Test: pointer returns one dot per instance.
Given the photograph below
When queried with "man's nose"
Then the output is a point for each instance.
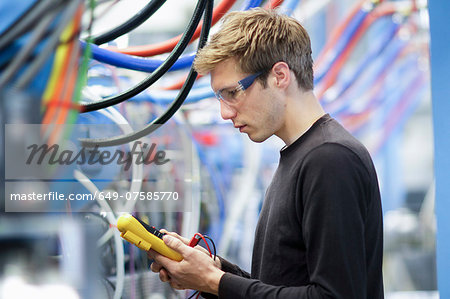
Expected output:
(226, 111)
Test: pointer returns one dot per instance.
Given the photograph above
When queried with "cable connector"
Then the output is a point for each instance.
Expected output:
(194, 241)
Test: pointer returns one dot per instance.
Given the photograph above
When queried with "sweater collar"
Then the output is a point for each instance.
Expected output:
(289, 148)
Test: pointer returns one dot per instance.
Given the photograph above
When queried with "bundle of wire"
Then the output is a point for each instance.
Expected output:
(334, 88)
(161, 69)
(362, 95)
(193, 242)
(52, 42)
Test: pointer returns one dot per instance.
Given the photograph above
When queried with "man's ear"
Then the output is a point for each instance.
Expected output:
(282, 74)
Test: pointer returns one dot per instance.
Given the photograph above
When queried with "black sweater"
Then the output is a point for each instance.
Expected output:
(320, 232)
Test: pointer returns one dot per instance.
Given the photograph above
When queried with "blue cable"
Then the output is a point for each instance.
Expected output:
(288, 6)
(387, 98)
(340, 45)
(383, 95)
(401, 97)
(373, 53)
(149, 65)
(167, 97)
(380, 65)
(407, 73)
(134, 62)
(11, 11)
(344, 82)
(145, 64)
(363, 83)
(389, 95)
(204, 91)
(249, 4)
(420, 94)
(217, 189)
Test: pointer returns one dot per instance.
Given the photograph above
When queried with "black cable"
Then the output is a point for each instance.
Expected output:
(214, 245)
(176, 104)
(129, 25)
(20, 18)
(33, 56)
(109, 283)
(215, 255)
(193, 294)
(50, 45)
(19, 60)
(158, 73)
(28, 22)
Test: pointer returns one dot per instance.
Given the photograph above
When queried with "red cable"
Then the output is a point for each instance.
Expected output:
(179, 84)
(414, 5)
(58, 98)
(399, 110)
(204, 240)
(273, 4)
(380, 80)
(330, 77)
(336, 34)
(194, 241)
(167, 46)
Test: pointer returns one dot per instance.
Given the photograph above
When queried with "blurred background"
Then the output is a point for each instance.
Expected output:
(57, 57)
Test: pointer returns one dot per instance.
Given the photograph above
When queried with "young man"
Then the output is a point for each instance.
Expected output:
(319, 234)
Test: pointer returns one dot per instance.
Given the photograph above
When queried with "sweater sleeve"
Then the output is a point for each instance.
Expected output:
(332, 191)
(232, 268)
(228, 268)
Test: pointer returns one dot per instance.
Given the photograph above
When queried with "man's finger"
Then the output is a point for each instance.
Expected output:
(174, 234)
(165, 262)
(164, 275)
(176, 244)
(176, 286)
(155, 267)
(151, 254)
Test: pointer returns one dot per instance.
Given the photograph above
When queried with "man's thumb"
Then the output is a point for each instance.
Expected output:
(175, 244)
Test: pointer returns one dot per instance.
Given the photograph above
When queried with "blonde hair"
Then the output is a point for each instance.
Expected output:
(258, 39)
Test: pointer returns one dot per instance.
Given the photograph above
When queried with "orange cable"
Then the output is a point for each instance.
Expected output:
(272, 4)
(330, 78)
(337, 32)
(167, 46)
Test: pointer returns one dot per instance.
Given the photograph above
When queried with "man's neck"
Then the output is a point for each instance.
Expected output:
(303, 110)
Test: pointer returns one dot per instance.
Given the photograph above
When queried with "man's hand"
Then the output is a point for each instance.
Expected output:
(196, 271)
(155, 267)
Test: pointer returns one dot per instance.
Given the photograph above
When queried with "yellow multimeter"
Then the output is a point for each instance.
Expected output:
(144, 236)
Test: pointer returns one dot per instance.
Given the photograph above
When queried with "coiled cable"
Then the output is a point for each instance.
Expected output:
(167, 46)
(159, 72)
(176, 103)
(131, 24)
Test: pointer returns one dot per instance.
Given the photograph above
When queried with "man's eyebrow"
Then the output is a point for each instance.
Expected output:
(229, 87)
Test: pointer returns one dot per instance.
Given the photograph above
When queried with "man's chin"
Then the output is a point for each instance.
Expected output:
(257, 139)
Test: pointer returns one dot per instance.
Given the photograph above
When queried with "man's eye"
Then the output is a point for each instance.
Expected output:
(230, 93)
